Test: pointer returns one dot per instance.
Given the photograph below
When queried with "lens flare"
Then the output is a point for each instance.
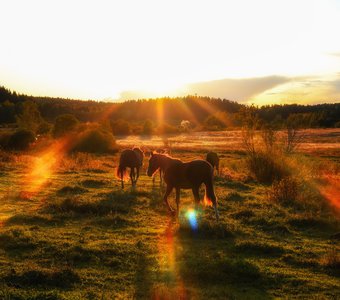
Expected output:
(192, 218)
(207, 201)
(45, 164)
(331, 192)
(168, 248)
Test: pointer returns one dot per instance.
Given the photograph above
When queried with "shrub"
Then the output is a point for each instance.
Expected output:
(284, 191)
(44, 128)
(264, 157)
(148, 128)
(214, 123)
(265, 167)
(20, 140)
(95, 141)
(167, 129)
(29, 117)
(64, 124)
(120, 127)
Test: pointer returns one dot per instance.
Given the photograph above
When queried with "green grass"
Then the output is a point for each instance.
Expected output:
(82, 237)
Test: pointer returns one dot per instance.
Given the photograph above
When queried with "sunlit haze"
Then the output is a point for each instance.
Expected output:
(261, 51)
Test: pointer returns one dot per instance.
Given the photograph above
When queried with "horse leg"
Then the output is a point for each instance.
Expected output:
(131, 175)
(210, 194)
(195, 191)
(217, 215)
(178, 195)
(134, 177)
(137, 176)
(122, 181)
(165, 197)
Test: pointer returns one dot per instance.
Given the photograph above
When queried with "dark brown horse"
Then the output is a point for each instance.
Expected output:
(180, 175)
(132, 159)
(161, 170)
(214, 160)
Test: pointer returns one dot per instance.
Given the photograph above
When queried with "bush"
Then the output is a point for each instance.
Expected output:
(167, 129)
(214, 123)
(284, 191)
(44, 128)
(120, 127)
(95, 141)
(148, 128)
(20, 140)
(64, 124)
(265, 167)
(264, 157)
(29, 117)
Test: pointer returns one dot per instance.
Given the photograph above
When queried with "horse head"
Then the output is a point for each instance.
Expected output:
(139, 153)
(153, 164)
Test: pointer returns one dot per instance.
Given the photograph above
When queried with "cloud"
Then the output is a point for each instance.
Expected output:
(335, 85)
(303, 90)
(337, 54)
(258, 90)
(236, 89)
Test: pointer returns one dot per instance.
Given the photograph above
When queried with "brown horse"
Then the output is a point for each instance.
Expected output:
(190, 175)
(132, 159)
(161, 170)
(214, 160)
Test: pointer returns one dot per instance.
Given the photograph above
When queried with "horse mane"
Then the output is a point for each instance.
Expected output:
(137, 149)
(167, 155)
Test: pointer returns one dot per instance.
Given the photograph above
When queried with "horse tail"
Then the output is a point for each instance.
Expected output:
(121, 171)
(210, 197)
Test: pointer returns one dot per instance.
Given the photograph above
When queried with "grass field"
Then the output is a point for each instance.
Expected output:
(71, 233)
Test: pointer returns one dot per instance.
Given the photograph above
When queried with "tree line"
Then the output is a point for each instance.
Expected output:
(160, 115)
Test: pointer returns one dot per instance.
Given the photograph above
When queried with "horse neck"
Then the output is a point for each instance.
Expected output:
(166, 161)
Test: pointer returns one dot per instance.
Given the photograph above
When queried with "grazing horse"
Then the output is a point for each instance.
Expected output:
(190, 175)
(133, 159)
(161, 170)
(214, 160)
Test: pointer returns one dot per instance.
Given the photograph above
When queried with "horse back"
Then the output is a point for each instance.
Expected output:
(130, 159)
(188, 175)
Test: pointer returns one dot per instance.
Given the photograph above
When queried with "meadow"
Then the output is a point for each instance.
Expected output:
(68, 230)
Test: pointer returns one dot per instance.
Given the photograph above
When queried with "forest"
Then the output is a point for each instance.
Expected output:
(166, 114)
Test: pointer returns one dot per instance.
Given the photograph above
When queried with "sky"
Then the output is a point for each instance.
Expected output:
(251, 51)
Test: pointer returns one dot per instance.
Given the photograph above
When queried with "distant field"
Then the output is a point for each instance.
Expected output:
(71, 233)
(313, 140)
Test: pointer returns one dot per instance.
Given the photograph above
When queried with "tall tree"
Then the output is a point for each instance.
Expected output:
(30, 117)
